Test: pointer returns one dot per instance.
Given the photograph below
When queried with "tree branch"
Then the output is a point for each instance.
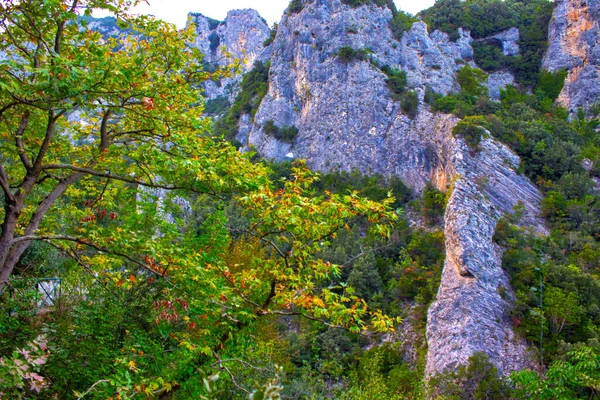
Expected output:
(92, 388)
(6, 107)
(224, 368)
(47, 139)
(103, 131)
(5, 185)
(272, 294)
(19, 141)
(84, 242)
(117, 177)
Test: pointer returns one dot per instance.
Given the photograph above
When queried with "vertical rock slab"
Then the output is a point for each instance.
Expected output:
(241, 36)
(469, 314)
(574, 45)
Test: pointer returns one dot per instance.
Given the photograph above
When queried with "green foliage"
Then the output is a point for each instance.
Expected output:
(396, 81)
(485, 18)
(575, 377)
(20, 372)
(472, 81)
(471, 130)
(400, 23)
(272, 35)
(431, 98)
(217, 106)
(552, 83)
(479, 379)
(295, 7)
(253, 89)
(410, 103)
(489, 56)
(347, 54)
(285, 133)
(433, 205)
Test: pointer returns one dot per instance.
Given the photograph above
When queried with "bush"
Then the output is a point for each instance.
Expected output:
(434, 204)
(551, 84)
(489, 57)
(472, 81)
(400, 23)
(286, 133)
(477, 380)
(410, 103)
(431, 97)
(272, 35)
(216, 106)
(396, 81)
(295, 7)
(347, 54)
(254, 87)
(471, 130)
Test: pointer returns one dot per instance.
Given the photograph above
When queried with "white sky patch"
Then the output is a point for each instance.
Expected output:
(175, 11)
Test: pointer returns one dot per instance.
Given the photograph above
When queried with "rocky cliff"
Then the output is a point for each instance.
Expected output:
(574, 45)
(347, 119)
(240, 36)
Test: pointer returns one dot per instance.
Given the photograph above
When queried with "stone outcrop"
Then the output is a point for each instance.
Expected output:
(343, 111)
(508, 39)
(240, 36)
(348, 120)
(469, 314)
(574, 45)
(497, 81)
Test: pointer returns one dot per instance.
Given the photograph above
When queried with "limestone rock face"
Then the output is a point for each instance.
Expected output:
(470, 312)
(509, 40)
(574, 45)
(497, 81)
(241, 34)
(348, 120)
(344, 111)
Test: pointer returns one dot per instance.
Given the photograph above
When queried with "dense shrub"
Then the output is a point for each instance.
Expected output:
(400, 23)
(295, 7)
(486, 18)
(253, 89)
(396, 81)
(431, 97)
(472, 81)
(217, 106)
(489, 56)
(551, 84)
(347, 54)
(285, 133)
(433, 205)
(471, 130)
(410, 103)
(272, 35)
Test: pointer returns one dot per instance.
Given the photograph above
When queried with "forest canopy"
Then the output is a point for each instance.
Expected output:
(103, 144)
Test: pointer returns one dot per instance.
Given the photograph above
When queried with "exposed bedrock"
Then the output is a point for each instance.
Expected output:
(347, 120)
(574, 45)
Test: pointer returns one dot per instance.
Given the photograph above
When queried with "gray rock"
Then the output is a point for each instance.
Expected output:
(497, 81)
(574, 45)
(469, 314)
(509, 40)
(347, 120)
(240, 36)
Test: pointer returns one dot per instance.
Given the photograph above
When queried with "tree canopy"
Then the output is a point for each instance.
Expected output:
(103, 139)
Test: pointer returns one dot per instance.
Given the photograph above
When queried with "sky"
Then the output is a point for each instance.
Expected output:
(175, 11)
